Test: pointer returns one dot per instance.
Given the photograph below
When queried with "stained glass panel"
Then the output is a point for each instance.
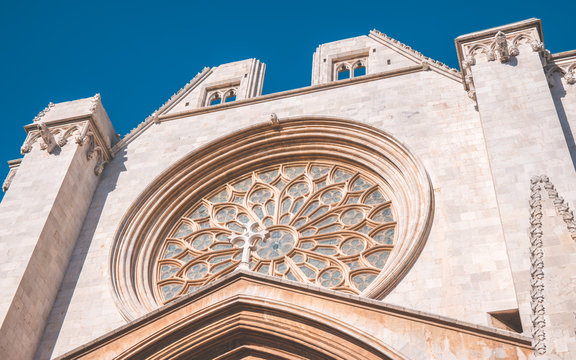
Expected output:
(185, 229)
(172, 250)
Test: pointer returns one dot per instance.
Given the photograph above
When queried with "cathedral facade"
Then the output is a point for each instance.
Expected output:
(396, 208)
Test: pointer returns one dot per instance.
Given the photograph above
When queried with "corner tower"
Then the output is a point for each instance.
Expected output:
(66, 149)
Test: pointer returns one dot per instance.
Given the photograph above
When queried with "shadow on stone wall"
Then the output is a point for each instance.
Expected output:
(558, 92)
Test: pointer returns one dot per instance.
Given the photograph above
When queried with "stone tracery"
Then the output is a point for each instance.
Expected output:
(329, 224)
(150, 227)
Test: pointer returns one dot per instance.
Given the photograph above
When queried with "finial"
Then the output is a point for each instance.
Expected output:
(249, 238)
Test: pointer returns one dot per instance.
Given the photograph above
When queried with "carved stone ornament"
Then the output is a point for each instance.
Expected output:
(95, 151)
(500, 49)
(94, 103)
(57, 136)
(14, 164)
(565, 68)
(537, 268)
(537, 184)
(503, 46)
(8, 180)
(274, 120)
(43, 112)
(247, 241)
(48, 138)
(468, 78)
(48, 141)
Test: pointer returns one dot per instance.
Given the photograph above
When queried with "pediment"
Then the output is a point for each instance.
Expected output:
(376, 52)
(287, 320)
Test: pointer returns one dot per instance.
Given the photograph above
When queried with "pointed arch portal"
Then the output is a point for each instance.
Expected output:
(247, 315)
(245, 328)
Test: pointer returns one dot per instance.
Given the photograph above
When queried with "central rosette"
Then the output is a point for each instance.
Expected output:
(279, 244)
(327, 224)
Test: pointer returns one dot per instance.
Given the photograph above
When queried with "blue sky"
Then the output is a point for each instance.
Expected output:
(137, 54)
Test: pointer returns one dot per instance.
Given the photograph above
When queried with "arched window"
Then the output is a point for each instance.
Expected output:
(230, 96)
(215, 99)
(343, 72)
(359, 69)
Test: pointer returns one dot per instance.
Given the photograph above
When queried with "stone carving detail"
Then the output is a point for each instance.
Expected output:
(537, 45)
(274, 120)
(247, 242)
(537, 184)
(65, 133)
(570, 78)
(14, 164)
(95, 101)
(501, 50)
(43, 112)
(8, 180)
(82, 135)
(566, 68)
(95, 151)
(537, 268)
(27, 146)
(48, 138)
(48, 142)
(503, 46)
(562, 207)
(468, 78)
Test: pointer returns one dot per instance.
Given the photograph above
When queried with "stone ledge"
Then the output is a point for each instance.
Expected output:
(399, 311)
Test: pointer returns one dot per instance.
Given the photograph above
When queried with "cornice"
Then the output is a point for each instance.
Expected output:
(564, 64)
(563, 55)
(489, 33)
(13, 165)
(415, 55)
(501, 43)
(83, 128)
(296, 92)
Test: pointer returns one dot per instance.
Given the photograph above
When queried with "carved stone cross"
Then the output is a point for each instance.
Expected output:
(250, 236)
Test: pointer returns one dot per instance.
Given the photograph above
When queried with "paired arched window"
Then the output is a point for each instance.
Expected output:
(221, 96)
(350, 69)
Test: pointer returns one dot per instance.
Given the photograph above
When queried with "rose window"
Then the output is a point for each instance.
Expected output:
(328, 224)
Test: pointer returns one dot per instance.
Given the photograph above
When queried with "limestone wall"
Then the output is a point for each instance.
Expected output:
(429, 112)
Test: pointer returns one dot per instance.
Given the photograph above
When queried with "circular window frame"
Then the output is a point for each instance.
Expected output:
(152, 215)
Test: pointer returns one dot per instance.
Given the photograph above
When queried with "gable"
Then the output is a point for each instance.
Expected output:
(286, 320)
